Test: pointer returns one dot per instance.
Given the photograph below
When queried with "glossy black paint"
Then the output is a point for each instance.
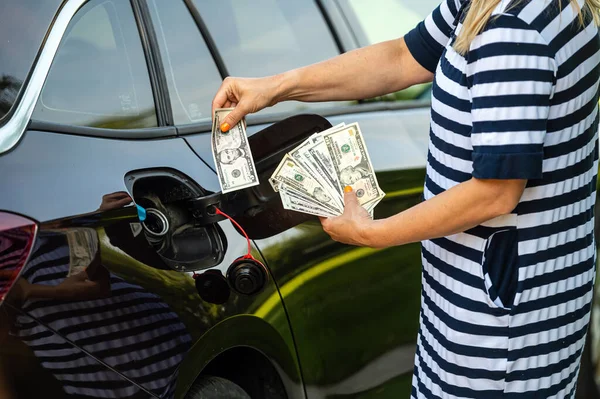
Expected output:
(353, 311)
(67, 181)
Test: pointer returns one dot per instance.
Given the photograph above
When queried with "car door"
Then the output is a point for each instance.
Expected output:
(353, 311)
(115, 300)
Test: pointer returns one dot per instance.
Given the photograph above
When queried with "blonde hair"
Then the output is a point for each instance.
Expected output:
(480, 11)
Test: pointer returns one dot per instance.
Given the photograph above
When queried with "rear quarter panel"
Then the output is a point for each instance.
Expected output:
(354, 311)
(147, 323)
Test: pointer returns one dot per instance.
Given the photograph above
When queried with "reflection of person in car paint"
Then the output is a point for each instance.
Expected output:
(351, 174)
(229, 155)
(119, 306)
(321, 195)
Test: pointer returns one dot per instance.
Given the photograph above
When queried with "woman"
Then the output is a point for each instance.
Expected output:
(507, 225)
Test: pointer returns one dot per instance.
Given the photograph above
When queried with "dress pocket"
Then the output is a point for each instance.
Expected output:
(500, 267)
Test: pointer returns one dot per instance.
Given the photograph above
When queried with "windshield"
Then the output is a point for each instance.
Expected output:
(23, 25)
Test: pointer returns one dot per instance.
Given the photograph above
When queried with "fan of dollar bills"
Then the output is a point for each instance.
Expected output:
(312, 177)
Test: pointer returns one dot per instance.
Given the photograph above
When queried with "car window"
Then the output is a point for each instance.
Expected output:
(266, 37)
(386, 19)
(99, 77)
(375, 22)
(19, 45)
(192, 76)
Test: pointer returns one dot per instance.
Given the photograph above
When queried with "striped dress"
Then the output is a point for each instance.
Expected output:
(132, 331)
(505, 306)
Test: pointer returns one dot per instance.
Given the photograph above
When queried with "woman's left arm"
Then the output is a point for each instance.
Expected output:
(510, 78)
(458, 209)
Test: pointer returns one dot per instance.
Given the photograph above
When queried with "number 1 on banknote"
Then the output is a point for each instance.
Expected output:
(231, 153)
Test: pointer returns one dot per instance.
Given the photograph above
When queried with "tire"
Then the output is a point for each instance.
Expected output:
(209, 387)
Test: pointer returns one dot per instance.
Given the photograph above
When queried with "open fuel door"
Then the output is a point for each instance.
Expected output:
(259, 209)
(181, 222)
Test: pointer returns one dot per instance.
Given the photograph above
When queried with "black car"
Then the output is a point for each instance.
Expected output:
(118, 279)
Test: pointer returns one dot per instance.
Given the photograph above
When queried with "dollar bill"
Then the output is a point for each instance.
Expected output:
(371, 205)
(292, 174)
(311, 178)
(296, 203)
(83, 248)
(275, 184)
(302, 155)
(306, 200)
(352, 164)
(319, 155)
(231, 153)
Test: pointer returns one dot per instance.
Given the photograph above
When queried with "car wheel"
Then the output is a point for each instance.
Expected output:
(209, 387)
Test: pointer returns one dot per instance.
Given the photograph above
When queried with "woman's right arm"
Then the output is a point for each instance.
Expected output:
(363, 73)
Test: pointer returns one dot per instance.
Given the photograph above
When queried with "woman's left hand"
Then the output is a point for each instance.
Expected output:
(350, 227)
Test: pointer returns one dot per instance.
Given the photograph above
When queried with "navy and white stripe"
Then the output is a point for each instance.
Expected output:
(133, 331)
(505, 306)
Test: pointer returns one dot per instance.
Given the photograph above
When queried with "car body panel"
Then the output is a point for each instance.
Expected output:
(354, 311)
(63, 179)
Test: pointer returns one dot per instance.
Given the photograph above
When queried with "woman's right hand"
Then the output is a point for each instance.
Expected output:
(246, 95)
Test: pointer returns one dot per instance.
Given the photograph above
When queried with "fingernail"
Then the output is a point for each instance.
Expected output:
(347, 189)
(225, 127)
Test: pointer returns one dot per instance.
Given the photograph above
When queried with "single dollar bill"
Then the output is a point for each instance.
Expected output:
(231, 152)
(351, 162)
(293, 175)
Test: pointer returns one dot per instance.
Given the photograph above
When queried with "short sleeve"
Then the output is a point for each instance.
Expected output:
(511, 75)
(426, 42)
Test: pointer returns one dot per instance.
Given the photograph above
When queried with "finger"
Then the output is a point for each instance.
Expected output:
(234, 117)
(220, 98)
(350, 198)
(91, 284)
(116, 195)
(228, 104)
(324, 222)
(121, 196)
(81, 276)
(122, 202)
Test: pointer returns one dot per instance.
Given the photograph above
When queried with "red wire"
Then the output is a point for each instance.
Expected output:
(249, 254)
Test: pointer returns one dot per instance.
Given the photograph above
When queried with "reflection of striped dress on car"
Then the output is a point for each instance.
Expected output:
(505, 306)
(133, 331)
